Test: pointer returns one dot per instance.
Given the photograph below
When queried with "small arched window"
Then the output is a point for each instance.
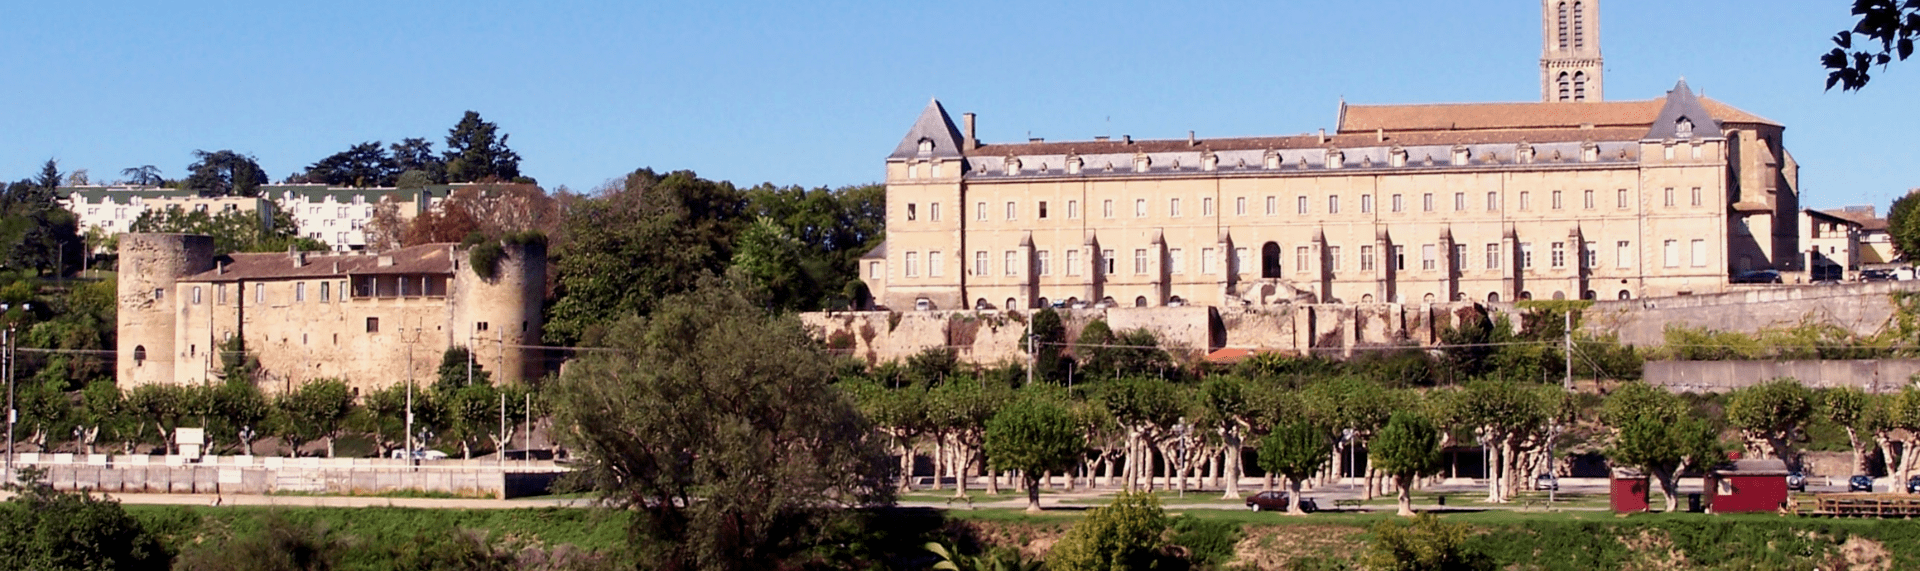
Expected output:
(1683, 128)
(980, 303)
(1493, 297)
(1579, 26)
(1566, 87)
(926, 145)
(1011, 303)
(1580, 86)
(1140, 301)
(1562, 36)
(139, 355)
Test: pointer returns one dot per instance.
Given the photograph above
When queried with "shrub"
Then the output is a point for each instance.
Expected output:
(1126, 534)
(1425, 544)
(485, 258)
(46, 530)
(1209, 542)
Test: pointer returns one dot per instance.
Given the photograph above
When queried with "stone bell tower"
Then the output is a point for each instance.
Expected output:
(1570, 64)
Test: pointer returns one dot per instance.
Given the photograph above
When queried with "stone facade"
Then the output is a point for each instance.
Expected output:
(372, 320)
(1570, 65)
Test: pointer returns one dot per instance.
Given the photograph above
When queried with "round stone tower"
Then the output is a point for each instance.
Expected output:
(502, 312)
(150, 265)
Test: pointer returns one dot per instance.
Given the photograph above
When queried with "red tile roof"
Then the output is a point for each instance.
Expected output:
(1510, 116)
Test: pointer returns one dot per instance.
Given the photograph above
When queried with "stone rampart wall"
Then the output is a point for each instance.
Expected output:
(262, 475)
(1860, 307)
(1878, 375)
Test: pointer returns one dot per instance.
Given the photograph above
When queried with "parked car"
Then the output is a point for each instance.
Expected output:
(1277, 501)
(1913, 485)
(1859, 483)
(1878, 276)
(1756, 277)
(1797, 482)
(420, 455)
(1546, 482)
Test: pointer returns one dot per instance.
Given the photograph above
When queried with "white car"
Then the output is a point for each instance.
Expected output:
(420, 455)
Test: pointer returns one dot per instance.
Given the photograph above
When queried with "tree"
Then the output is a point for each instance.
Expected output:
(717, 426)
(162, 405)
(1033, 436)
(1048, 343)
(459, 369)
(1892, 24)
(48, 530)
(1227, 409)
(1408, 448)
(477, 152)
(362, 165)
(774, 263)
(636, 243)
(1771, 415)
(317, 410)
(415, 156)
(143, 175)
(1903, 226)
(1656, 432)
(1845, 407)
(834, 227)
(232, 231)
(1125, 534)
(224, 173)
(1295, 450)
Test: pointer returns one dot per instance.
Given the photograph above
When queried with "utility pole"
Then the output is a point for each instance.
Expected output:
(1033, 359)
(1568, 382)
(12, 413)
(527, 439)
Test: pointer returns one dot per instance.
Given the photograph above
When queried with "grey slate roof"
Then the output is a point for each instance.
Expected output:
(933, 125)
(1682, 104)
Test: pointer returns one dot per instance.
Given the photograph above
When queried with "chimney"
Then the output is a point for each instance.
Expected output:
(1323, 136)
(223, 268)
(384, 261)
(1190, 140)
(1380, 134)
(299, 259)
(1036, 140)
(970, 143)
(336, 266)
(1128, 139)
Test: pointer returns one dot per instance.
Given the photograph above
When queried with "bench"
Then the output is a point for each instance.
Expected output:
(1347, 504)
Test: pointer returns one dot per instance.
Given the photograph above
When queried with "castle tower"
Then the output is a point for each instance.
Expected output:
(500, 312)
(150, 265)
(1570, 64)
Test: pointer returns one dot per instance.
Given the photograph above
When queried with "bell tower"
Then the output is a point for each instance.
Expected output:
(1570, 65)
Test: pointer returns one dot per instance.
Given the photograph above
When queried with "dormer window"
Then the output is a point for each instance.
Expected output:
(1273, 160)
(1335, 159)
(1589, 153)
(1073, 165)
(926, 146)
(1209, 162)
(1142, 163)
(1524, 154)
(1398, 158)
(1683, 128)
(1013, 166)
(1461, 156)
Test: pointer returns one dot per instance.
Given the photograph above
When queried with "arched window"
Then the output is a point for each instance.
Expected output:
(1559, 295)
(1580, 86)
(1579, 26)
(1563, 26)
(1175, 301)
(1270, 260)
(1044, 304)
(1590, 295)
(1526, 295)
(1140, 301)
(1427, 299)
(1566, 87)
(1011, 303)
(139, 355)
(1683, 128)
(1493, 297)
(1366, 298)
(1624, 294)
(981, 304)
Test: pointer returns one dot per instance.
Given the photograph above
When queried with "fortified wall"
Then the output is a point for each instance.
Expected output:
(1863, 308)
(992, 336)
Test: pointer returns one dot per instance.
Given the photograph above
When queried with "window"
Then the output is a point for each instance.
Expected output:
(1559, 250)
(934, 266)
(1302, 201)
(913, 211)
(1669, 196)
(1173, 207)
(1176, 261)
(1526, 255)
(913, 264)
(1592, 252)
(1623, 254)
(1140, 208)
(1043, 210)
(300, 292)
(1367, 262)
(1206, 207)
(1106, 208)
(196, 295)
(1106, 262)
(933, 212)
(1240, 206)
(480, 326)
(1459, 201)
(1333, 258)
(259, 293)
(1073, 210)
(873, 270)
(1620, 198)
(1206, 260)
(1696, 196)
(220, 294)
(1493, 201)
(373, 325)
(1398, 205)
(1671, 249)
(1426, 257)
(1493, 256)
(1012, 210)
(1366, 204)
(1300, 259)
(1073, 262)
(1140, 261)
(980, 263)
(1526, 200)
(1239, 261)
(1400, 258)
(1333, 204)
(1556, 200)
(1012, 265)
(1426, 202)
(1273, 205)
(1460, 256)
(979, 211)
(1699, 253)
(159, 294)
(326, 292)
(1589, 200)
(1044, 259)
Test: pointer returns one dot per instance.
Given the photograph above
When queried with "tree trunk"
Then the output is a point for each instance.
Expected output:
(1231, 466)
(1492, 453)
(1859, 459)
(993, 478)
(960, 464)
(940, 464)
(1406, 494)
(1293, 499)
(906, 467)
(1669, 486)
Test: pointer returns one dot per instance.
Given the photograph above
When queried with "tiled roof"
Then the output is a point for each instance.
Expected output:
(415, 260)
(1506, 116)
(1343, 141)
(934, 126)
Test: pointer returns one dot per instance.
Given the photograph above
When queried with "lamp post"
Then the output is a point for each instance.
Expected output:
(13, 413)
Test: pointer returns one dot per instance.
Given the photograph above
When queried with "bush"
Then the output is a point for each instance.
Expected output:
(1126, 534)
(46, 530)
(1209, 542)
(1424, 544)
(485, 258)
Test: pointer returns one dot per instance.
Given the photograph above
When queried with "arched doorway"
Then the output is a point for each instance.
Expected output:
(139, 355)
(981, 304)
(1044, 304)
(1270, 260)
(1011, 304)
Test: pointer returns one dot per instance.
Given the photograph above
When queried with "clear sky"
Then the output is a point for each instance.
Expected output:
(818, 93)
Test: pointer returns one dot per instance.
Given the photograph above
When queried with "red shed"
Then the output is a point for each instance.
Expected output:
(1747, 486)
(1628, 491)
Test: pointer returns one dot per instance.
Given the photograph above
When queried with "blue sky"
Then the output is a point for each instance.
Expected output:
(817, 93)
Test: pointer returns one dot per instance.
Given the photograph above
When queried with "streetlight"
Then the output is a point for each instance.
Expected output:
(13, 413)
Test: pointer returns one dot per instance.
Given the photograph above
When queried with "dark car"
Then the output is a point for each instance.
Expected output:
(1277, 502)
(1756, 277)
(1859, 483)
(1878, 276)
(1797, 482)
(1913, 485)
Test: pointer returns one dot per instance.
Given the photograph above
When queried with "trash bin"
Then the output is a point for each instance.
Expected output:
(1693, 504)
(1442, 499)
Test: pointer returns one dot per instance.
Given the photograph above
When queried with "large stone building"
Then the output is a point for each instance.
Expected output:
(1569, 198)
(368, 319)
(336, 216)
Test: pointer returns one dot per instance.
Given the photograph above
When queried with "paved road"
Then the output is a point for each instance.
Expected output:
(341, 501)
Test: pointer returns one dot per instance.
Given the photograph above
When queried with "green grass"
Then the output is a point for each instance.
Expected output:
(429, 494)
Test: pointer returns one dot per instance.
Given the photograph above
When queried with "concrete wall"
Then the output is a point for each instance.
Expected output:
(1860, 307)
(1878, 376)
(262, 475)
